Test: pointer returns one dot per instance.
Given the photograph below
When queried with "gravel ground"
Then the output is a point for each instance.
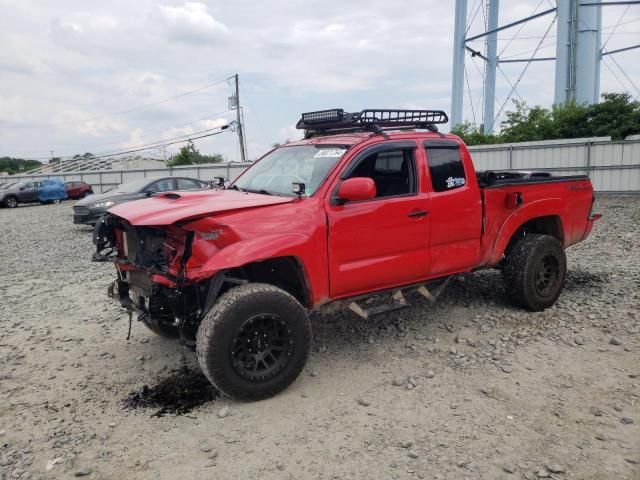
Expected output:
(469, 388)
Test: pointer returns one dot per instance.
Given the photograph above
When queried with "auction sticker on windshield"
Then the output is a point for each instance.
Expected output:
(329, 153)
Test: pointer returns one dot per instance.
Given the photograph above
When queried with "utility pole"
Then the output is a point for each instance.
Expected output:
(243, 155)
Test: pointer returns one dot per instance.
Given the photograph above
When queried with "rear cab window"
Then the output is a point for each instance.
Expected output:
(445, 165)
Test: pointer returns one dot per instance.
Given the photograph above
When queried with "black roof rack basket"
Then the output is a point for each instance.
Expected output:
(372, 120)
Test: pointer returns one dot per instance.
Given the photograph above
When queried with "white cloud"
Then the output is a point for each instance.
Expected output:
(191, 23)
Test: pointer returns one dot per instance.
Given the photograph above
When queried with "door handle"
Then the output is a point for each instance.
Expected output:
(417, 213)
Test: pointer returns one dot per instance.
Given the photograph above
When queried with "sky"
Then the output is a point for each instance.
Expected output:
(85, 76)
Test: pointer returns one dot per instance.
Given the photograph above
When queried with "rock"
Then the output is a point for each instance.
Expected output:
(579, 340)
(555, 468)
(601, 437)
(407, 444)
(507, 368)
(626, 420)
(224, 412)
(430, 374)
(412, 381)
(83, 472)
(453, 351)
(398, 381)
(509, 468)
(2, 433)
(313, 373)
(542, 473)
(213, 455)
(364, 402)
(53, 463)
(615, 341)
(279, 465)
(412, 454)
(410, 386)
(205, 447)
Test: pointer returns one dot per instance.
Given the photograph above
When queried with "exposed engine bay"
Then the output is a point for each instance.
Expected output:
(150, 277)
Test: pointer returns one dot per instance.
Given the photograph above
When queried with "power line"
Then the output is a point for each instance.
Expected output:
(161, 143)
(86, 149)
(164, 145)
(121, 112)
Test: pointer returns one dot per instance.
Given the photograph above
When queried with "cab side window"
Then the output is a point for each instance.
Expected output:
(393, 172)
(162, 185)
(445, 166)
(186, 184)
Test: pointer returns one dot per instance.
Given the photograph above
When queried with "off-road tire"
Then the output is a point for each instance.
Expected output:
(223, 324)
(11, 202)
(534, 271)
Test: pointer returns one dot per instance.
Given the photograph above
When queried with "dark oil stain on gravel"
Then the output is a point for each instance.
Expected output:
(179, 393)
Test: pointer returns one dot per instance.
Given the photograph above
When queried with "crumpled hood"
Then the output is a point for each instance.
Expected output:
(172, 207)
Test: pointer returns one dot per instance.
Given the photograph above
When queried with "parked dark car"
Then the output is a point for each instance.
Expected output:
(89, 210)
(77, 189)
(50, 190)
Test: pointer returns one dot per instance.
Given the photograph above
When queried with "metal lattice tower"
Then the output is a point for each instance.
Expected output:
(578, 54)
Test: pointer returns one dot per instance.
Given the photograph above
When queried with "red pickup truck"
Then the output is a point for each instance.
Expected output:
(369, 203)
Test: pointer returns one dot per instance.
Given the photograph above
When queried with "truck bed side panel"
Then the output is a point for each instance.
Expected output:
(568, 201)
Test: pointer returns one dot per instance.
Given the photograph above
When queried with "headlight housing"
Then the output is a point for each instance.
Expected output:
(106, 204)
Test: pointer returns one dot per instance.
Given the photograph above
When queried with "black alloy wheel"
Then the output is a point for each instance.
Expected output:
(262, 347)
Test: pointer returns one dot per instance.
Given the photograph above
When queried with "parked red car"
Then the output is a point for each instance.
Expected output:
(359, 207)
(77, 189)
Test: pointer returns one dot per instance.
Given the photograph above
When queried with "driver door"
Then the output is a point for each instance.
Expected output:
(383, 242)
(29, 192)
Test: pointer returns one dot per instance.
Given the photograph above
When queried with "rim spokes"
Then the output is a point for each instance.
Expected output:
(261, 347)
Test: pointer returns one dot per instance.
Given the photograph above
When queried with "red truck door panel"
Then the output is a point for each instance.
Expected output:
(456, 207)
(380, 242)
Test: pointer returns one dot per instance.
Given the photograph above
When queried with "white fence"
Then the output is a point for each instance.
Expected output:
(106, 179)
(613, 166)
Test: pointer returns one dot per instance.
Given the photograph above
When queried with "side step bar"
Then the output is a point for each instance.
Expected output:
(399, 302)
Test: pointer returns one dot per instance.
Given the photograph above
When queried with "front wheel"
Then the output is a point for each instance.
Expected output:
(534, 271)
(11, 202)
(254, 342)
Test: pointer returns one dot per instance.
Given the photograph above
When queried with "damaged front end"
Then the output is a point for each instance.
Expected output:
(151, 265)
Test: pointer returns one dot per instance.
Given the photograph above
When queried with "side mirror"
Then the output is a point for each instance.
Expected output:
(148, 193)
(218, 182)
(356, 189)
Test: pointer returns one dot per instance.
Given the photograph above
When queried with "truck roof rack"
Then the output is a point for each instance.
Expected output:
(336, 120)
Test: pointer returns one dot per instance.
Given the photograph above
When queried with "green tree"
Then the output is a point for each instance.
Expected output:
(616, 116)
(473, 135)
(189, 155)
(17, 165)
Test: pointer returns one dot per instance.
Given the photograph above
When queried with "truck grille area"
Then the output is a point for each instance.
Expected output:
(146, 248)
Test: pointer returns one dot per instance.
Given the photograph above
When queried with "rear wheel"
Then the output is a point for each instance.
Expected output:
(254, 342)
(534, 271)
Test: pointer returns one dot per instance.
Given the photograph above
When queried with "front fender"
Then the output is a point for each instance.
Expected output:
(538, 208)
(308, 252)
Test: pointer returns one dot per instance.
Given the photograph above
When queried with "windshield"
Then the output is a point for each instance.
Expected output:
(274, 173)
